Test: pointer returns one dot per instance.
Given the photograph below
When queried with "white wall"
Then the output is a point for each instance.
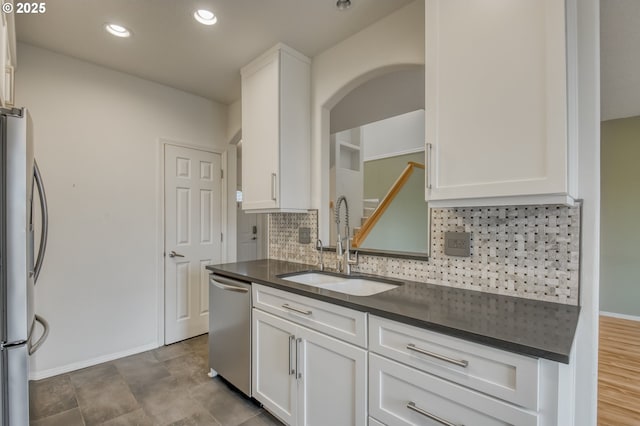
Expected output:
(392, 94)
(234, 121)
(402, 134)
(394, 42)
(97, 143)
(234, 133)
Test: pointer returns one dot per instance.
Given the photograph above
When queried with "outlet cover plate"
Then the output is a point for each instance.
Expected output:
(457, 244)
(304, 235)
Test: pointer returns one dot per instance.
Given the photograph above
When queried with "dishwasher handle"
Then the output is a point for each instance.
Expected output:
(229, 284)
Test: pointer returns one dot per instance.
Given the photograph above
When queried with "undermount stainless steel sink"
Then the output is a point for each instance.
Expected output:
(356, 286)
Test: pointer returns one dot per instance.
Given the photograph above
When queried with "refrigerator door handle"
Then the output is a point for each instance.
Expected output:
(9, 345)
(45, 221)
(45, 333)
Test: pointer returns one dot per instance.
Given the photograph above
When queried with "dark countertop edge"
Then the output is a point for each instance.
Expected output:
(454, 332)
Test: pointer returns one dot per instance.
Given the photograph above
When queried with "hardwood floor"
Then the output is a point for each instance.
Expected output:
(619, 372)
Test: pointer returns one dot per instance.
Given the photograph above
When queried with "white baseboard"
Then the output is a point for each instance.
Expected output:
(39, 375)
(621, 316)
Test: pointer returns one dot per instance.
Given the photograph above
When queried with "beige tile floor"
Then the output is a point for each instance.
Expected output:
(165, 386)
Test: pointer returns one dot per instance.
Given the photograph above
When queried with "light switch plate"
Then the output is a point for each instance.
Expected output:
(457, 244)
(304, 235)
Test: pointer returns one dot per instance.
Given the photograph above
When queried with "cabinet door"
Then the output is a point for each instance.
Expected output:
(332, 381)
(273, 365)
(496, 100)
(261, 135)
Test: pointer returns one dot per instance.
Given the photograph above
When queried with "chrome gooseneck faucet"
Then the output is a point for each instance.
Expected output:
(343, 255)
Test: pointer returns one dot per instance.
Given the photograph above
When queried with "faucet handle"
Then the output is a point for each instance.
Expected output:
(320, 261)
(355, 259)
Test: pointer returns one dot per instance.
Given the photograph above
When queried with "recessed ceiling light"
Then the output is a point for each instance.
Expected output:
(205, 16)
(343, 4)
(117, 30)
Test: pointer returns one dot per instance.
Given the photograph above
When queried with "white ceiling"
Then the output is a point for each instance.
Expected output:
(168, 46)
(620, 58)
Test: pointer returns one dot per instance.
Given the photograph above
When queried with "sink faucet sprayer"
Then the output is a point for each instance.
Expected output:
(343, 255)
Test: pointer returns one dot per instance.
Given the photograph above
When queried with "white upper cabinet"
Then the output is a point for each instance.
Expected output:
(276, 131)
(496, 103)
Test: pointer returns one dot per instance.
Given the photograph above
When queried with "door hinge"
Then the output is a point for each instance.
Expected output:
(221, 237)
(221, 174)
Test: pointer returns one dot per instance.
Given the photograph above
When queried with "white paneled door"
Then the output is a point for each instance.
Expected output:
(192, 187)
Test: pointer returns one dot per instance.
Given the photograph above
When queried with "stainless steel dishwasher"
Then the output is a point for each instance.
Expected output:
(230, 330)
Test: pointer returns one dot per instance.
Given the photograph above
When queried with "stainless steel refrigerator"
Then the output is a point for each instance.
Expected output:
(20, 181)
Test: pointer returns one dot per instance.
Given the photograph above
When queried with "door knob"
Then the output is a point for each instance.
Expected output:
(174, 254)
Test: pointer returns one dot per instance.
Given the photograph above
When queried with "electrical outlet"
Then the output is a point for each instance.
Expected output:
(304, 235)
(457, 244)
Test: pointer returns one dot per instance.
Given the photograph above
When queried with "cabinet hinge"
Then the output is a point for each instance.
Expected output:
(221, 174)
(221, 237)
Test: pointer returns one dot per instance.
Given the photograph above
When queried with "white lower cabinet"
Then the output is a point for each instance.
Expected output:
(401, 395)
(305, 377)
(505, 375)
(313, 365)
(274, 381)
(420, 377)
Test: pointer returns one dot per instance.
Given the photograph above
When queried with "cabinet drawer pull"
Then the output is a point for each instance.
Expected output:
(300, 311)
(412, 406)
(298, 358)
(292, 370)
(459, 363)
(274, 178)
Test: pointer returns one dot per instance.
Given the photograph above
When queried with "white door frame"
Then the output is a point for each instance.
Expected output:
(160, 221)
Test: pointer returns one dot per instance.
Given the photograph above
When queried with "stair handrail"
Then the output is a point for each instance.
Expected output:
(367, 226)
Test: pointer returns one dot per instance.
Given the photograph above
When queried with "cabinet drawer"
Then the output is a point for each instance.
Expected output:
(504, 375)
(337, 321)
(374, 422)
(401, 395)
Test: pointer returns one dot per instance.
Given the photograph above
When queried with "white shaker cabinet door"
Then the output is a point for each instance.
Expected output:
(273, 365)
(305, 377)
(261, 135)
(332, 381)
(496, 103)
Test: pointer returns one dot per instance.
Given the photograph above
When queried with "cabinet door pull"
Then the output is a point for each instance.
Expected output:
(300, 311)
(427, 172)
(412, 406)
(292, 339)
(273, 186)
(298, 357)
(459, 363)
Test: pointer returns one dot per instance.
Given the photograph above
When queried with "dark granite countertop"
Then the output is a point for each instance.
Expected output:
(524, 326)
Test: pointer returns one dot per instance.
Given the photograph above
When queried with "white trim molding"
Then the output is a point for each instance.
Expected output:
(620, 316)
(394, 154)
(39, 375)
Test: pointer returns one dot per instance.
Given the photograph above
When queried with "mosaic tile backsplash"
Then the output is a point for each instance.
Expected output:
(524, 251)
